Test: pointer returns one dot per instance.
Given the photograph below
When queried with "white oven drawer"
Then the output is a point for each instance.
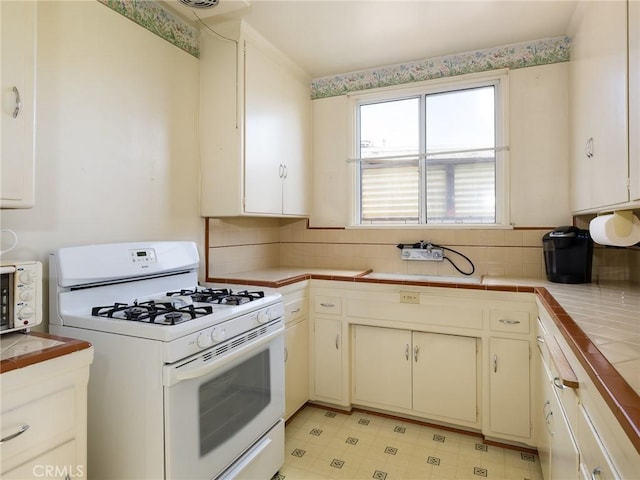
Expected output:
(263, 460)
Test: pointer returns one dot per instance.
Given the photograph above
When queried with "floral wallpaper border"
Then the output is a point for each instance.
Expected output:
(156, 19)
(519, 55)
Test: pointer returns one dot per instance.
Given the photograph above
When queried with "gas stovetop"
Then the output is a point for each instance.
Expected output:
(177, 306)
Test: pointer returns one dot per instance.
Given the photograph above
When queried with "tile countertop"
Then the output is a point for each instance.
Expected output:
(19, 350)
(601, 322)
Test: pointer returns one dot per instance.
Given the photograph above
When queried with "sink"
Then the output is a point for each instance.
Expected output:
(424, 278)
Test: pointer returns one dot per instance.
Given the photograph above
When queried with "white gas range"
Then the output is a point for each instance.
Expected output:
(187, 382)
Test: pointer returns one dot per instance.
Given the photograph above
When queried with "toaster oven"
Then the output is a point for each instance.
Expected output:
(20, 295)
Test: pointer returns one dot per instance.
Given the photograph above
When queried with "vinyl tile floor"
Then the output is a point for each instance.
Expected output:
(323, 444)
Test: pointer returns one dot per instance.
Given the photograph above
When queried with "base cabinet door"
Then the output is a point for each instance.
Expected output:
(509, 391)
(444, 376)
(382, 366)
(328, 346)
(296, 366)
(426, 374)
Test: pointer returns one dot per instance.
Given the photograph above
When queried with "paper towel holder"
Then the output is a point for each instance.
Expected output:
(623, 222)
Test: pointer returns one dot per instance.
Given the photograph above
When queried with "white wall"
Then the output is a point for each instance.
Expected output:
(116, 126)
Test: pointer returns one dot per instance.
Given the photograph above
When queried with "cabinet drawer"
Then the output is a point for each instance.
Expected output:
(47, 422)
(59, 463)
(509, 321)
(328, 304)
(594, 459)
(295, 311)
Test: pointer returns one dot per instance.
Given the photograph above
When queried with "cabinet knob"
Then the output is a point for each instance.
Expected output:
(338, 342)
(415, 353)
(495, 363)
(406, 351)
(595, 474)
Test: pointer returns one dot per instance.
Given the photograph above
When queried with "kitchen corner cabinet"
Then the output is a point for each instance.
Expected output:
(17, 75)
(599, 103)
(255, 126)
(296, 352)
(424, 374)
(47, 402)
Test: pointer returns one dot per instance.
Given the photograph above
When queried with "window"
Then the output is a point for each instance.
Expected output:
(431, 156)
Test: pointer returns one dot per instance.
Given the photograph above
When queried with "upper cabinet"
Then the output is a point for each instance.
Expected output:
(634, 100)
(255, 126)
(600, 106)
(17, 119)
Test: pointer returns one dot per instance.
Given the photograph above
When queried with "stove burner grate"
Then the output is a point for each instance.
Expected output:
(222, 296)
(158, 313)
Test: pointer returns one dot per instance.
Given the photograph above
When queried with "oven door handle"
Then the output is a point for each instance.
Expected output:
(175, 375)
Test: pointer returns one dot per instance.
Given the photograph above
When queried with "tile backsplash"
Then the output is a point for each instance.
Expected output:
(243, 244)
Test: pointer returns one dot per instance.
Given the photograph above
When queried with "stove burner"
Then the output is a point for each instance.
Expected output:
(152, 312)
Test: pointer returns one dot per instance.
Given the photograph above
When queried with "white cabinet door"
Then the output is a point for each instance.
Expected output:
(255, 127)
(382, 367)
(509, 391)
(331, 172)
(557, 450)
(598, 87)
(296, 340)
(328, 364)
(445, 376)
(634, 99)
(17, 119)
(264, 145)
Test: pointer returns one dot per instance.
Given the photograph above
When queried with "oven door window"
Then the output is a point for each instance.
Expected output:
(231, 401)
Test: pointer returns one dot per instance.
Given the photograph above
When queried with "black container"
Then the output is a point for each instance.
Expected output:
(568, 255)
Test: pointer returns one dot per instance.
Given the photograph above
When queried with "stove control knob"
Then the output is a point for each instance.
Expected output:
(263, 316)
(203, 340)
(218, 334)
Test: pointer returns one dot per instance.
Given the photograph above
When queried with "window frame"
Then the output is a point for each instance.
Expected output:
(497, 78)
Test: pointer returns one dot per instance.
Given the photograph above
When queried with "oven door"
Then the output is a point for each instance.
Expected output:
(221, 402)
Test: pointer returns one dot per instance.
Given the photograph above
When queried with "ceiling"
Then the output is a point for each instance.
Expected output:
(329, 37)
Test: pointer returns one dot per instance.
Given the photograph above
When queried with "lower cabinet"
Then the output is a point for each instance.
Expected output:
(328, 360)
(594, 457)
(43, 418)
(557, 450)
(433, 375)
(296, 365)
(509, 390)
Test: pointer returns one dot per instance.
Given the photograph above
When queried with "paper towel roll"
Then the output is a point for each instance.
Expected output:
(615, 229)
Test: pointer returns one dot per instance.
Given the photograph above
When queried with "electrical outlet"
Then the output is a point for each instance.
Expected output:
(409, 297)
